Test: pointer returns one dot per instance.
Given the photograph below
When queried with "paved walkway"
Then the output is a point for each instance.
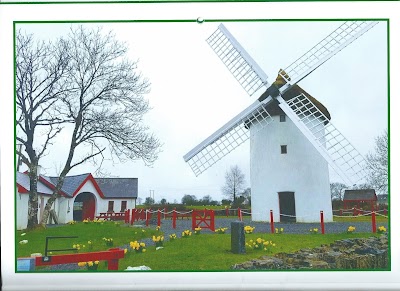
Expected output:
(263, 227)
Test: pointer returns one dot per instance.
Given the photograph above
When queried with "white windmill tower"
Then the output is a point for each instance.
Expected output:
(292, 140)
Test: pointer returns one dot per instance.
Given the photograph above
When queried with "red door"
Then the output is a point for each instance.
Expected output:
(88, 207)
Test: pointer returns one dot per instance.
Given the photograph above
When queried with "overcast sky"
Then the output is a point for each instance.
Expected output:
(193, 94)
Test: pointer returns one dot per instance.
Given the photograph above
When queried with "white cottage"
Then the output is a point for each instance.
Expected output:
(82, 197)
(288, 175)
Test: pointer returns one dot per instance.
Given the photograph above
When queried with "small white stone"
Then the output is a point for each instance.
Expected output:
(139, 268)
(159, 248)
(36, 255)
(22, 242)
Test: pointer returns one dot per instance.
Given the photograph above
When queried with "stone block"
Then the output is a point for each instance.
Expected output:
(237, 237)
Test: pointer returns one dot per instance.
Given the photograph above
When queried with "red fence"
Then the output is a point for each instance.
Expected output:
(111, 256)
(204, 219)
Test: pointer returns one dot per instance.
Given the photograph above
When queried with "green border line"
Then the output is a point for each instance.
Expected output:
(387, 20)
(176, 1)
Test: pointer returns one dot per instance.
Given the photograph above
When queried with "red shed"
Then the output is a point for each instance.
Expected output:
(360, 196)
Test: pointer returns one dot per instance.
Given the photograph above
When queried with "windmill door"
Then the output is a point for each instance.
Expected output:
(287, 207)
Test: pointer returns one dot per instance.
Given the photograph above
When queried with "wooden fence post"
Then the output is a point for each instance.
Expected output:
(373, 220)
(194, 213)
(212, 222)
(147, 218)
(174, 218)
(159, 217)
(133, 215)
(271, 217)
(322, 222)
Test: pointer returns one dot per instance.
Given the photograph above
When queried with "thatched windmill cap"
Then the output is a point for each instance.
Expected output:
(294, 91)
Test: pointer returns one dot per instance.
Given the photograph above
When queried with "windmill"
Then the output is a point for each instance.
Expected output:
(292, 140)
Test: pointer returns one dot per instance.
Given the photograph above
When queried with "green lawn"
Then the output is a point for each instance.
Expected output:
(360, 218)
(211, 252)
(204, 252)
(95, 232)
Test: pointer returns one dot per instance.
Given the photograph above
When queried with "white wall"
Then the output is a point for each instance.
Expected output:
(302, 171)
(22, 210)
(64, 206)
(102, 204)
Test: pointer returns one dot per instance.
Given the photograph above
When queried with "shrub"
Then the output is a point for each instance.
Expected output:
(221, 230)
(260, 244)
(248, 229)
(91, 266)
(351, 229)
(77, 247)
(158, 240)
(138, 247)
(381, 229)
(109, 241)
(186, 233)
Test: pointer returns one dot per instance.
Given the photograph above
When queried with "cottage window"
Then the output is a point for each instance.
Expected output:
(283, 149)
(282, 118)
(110, 206)
(123, 206)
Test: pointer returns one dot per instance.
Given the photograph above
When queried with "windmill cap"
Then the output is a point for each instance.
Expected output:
(294, 91)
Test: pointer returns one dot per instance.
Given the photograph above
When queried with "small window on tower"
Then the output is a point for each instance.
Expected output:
(282, 118)
(283, 149)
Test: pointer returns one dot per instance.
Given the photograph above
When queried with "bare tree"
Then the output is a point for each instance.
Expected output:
(247, 196)
(104, 104)
(337, 190)
(234, 183)
(41, 69)
(379, 166)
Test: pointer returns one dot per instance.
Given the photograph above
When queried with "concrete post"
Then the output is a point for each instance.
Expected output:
(237, 237)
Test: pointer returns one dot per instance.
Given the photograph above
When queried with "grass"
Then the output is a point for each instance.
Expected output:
(211, 252)
(95, 232)
(204, 252)
(361, 218)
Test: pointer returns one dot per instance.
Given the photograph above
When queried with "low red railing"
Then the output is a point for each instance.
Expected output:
(112, 256)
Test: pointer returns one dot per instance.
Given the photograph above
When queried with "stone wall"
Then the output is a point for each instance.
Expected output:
(347, 254)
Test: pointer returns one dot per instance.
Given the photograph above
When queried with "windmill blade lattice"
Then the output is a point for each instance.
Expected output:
(340, 38)
(246, 71)
(228, 137)
(342, 156)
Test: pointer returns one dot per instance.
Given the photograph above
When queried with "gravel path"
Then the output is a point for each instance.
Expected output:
(294, 228)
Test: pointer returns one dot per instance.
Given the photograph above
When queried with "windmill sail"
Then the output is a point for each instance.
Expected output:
(347, 162)
(242, 66)
(228, 137)
(340, 154)
(340, 38)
